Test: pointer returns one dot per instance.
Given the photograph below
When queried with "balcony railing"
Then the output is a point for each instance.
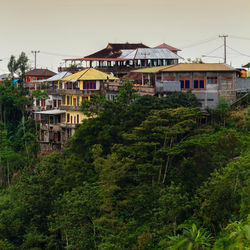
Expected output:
(77, 91)
(70, 108)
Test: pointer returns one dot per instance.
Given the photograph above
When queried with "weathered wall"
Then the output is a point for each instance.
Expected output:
(242, 84)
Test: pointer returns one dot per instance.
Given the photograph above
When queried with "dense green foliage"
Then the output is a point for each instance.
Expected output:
(19, 65)
(145, 173)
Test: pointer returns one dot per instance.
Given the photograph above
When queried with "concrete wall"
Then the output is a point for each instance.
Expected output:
(242, 85)
(208, 96)
(167, 86)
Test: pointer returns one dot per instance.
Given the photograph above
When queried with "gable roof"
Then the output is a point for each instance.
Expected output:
(40, 72)
(89, 74)
(120, 46)
(113, 50)
(166, 46)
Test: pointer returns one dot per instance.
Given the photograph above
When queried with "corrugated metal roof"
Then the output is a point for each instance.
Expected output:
(128, 53)
(51, 112)
(133, 54)
(188, 67)
(150, 53)
(199, 67)
(113, 50)
(152, 70)
(89, 74)
(57, 77)
(40, 72)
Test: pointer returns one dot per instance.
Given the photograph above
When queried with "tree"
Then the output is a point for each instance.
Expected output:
(127, 93)
(94, 106)
(39, 95)
(20, 65)
(222, 109)
(12, 65)
(74, 217)
(196, 60)
(173, 203)
(23, 66)
(222, 196)
(191, 239)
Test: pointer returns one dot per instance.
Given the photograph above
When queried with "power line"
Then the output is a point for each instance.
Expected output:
(56, 54)
(198, 43)
(238, 52)
(241, 38)
(212, 51)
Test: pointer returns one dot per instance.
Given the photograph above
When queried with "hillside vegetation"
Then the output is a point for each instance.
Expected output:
(140, 173)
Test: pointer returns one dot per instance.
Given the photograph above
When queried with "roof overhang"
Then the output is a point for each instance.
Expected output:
(51, 112)
(99, 59)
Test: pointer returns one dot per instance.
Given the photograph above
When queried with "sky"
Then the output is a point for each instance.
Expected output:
(75, 28)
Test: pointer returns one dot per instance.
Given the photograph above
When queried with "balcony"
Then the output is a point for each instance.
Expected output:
(70, 108)
(145, 90)
(77, 91)
(67, 125)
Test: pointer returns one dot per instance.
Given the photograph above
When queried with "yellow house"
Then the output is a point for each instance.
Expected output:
(77, 87)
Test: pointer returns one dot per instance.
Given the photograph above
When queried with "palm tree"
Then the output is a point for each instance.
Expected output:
(191, 238)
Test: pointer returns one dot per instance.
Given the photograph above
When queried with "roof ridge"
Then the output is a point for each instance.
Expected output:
(84, 73)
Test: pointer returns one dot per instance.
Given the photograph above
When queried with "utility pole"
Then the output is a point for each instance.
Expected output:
(225, 47)
(35, 52)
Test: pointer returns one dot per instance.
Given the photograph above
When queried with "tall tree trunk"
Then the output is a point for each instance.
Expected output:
(160, 170)
(174, 226)
(167, 162)
(8, 173)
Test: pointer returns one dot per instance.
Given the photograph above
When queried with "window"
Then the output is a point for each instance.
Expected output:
(227, 83)
(43, 102)
(199, 84)
(78, 100)
(196, 84)
(169, 78)
(68, 118)
(71, 100)
(158, 77)
(77, 119)
(212, 80)
(185, 83)
(89, 85)
(67, 100)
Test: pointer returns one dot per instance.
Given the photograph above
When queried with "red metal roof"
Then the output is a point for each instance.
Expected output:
(40, 72)
(166, 46)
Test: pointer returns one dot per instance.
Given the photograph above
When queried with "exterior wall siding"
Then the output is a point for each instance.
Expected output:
(210, 94)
